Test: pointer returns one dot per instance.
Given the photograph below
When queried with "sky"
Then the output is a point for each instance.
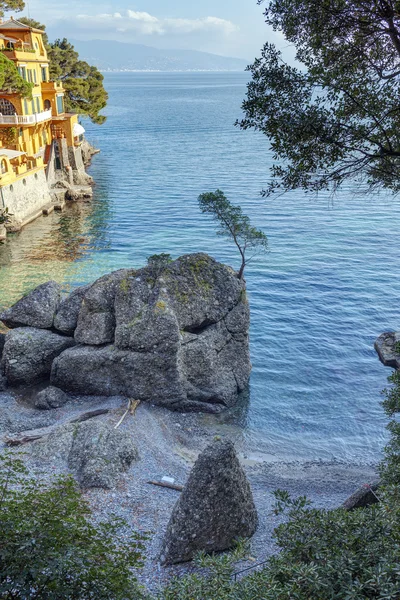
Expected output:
(226, 27)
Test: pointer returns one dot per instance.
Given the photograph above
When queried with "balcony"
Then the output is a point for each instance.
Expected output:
(25, 119)
(52, 86)
(18, 53)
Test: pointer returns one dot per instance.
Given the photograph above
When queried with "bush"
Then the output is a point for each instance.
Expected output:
(49, 548)
(325, 554)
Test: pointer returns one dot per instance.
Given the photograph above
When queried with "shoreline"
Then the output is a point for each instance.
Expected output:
(168, 444)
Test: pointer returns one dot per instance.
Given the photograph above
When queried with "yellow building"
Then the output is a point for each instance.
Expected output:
(38, 139)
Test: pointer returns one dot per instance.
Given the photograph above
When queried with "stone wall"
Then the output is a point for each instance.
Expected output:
(26, 197)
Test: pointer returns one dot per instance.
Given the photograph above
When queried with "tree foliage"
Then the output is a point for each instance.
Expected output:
(324, 555)
(6, 5)
(390, 467)
(50, 549)
(336, 116)
(83, 83)
(234, 225)
(11, 80)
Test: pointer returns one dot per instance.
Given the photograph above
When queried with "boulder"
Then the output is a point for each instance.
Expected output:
(36, 309)
(94, 451)
(96, 322)
(175, 336)
(386, 347)
(215, 509)
(66, 317)
(88, 151)
(106, 371)
(29, 353)
(364, 496)
(99, 453)
(51, 397)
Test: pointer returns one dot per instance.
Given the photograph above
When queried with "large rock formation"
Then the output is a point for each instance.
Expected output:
(171, 334)
(215, 509)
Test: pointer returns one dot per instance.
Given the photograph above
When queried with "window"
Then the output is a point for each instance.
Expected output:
(60, 104)
(22, 72)
(30, 76)
(34, 76)
(6, 108)
(44, 73)
(47, 105)
(26, 106)
(33, 107)
(4, 166)
(38, 105)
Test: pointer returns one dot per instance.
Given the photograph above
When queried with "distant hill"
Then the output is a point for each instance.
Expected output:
(118, 56)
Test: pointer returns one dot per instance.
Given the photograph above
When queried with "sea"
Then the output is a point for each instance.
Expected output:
(328, 286)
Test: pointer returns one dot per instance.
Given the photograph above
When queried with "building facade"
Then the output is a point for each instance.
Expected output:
(39, 141)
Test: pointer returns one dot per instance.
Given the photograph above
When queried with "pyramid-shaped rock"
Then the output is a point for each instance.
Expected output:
(215, 508)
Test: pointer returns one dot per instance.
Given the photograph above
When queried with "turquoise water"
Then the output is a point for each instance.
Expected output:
(329, 285)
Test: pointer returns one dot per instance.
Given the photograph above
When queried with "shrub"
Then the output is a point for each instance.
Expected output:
(50, 549)
(157, 263)
(325, 554)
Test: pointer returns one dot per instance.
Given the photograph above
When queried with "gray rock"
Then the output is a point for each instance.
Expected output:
(66, 318)
(87, 152)
(215, 509)
(36, 309)
(51, 397)
(100, 453)
(3, 383)
(174, 334)
(364, 496)
(82, 178)
(179, 335)
(107, 371)
(385, 346)
(2, 342)
(94, 451)
(96, 322)
(200, 290)
(62, 185)
(28, 354)
(55, 445)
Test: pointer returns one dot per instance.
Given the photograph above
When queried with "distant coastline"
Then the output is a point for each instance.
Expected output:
(172, 70)
(113, 56)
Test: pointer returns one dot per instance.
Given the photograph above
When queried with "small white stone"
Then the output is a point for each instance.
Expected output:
(166, 479)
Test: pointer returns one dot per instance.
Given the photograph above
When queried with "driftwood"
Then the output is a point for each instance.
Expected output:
(89, 415)
(172, 486)
(23, 440)
(132, 406)
(20, 441)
